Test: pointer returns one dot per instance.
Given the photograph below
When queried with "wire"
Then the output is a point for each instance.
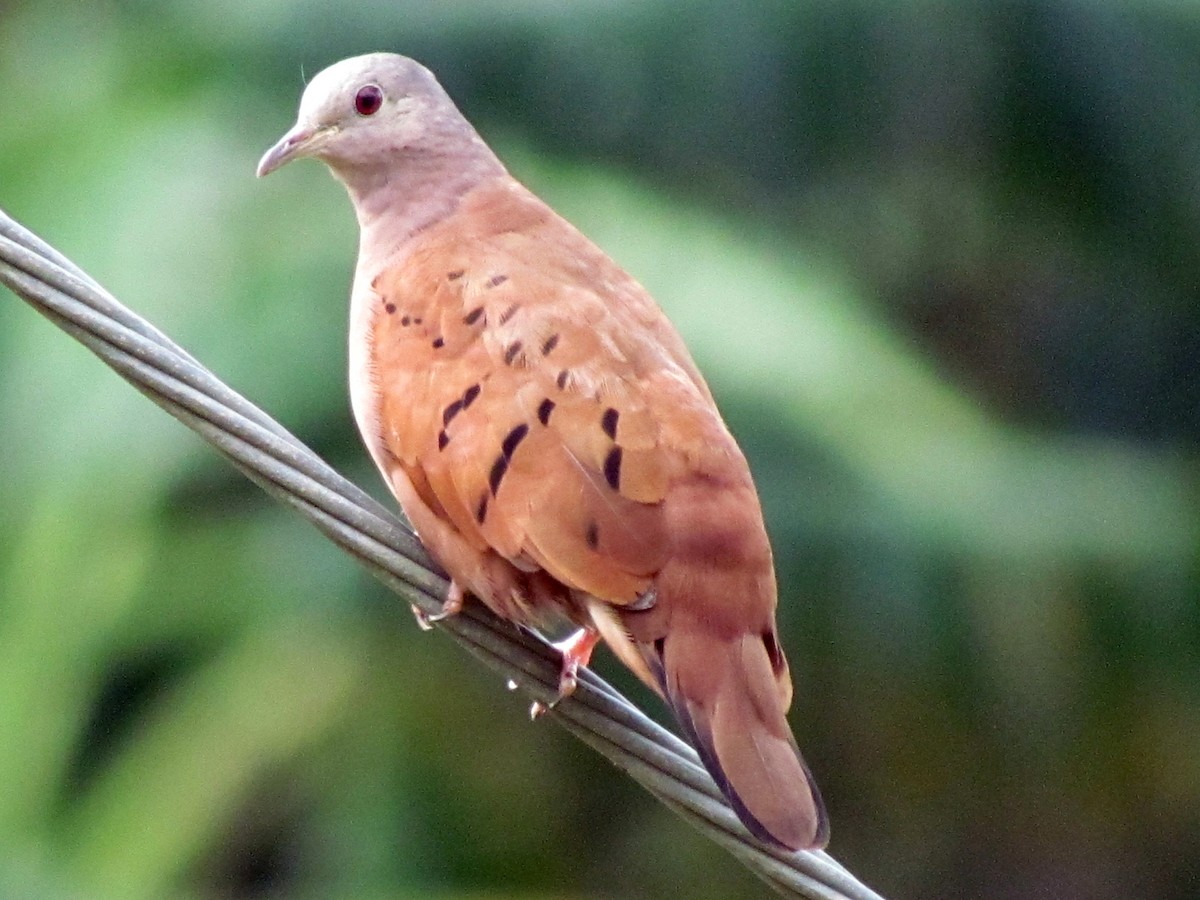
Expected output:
(288, 470)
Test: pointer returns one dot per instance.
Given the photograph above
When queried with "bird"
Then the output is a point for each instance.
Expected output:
(547, 434)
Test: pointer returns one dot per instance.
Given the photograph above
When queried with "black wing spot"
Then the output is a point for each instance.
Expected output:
(405, 320)
(549, 344)
(511, 353)
(561, 380)
(612, 468)
(473, 316)
(513, 440)
(507, 448)
(455, 275)
(443, 439)
(544, 409)
(469, 395)
(417, 320)
(509, 313)
(482, 509)
(451, 411)
(439, 343)
(390, 307)
(592, 535)
(609, 422)
(499, 467)
(496, 280)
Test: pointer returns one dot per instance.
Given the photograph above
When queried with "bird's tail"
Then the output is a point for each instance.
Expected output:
(726, 695)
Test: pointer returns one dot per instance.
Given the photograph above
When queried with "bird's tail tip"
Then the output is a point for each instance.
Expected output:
(725, 695)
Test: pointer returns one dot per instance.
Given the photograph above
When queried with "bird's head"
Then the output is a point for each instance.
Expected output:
(364, 111)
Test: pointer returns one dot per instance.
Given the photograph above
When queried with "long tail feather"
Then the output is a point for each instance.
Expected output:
(724, 694)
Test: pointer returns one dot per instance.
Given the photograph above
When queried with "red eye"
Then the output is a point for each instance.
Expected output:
(368, 100)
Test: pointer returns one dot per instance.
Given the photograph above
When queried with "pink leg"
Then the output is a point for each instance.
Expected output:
(576, 651)
(451, 606)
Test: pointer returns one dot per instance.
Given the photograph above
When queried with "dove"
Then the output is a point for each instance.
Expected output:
(547, 433)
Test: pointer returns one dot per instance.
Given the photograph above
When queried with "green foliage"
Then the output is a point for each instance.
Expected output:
(939, 267)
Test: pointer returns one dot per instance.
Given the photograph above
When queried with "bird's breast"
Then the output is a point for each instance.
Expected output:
(364, 386)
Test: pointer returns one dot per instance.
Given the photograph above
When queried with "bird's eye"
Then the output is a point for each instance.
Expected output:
(368, 100)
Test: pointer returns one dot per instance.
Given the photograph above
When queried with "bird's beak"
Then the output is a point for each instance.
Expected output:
(301, 140)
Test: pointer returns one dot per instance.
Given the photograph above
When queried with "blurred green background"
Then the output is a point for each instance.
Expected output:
(939, 264)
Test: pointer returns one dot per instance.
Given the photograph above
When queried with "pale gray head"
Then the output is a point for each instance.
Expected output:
(368, 113)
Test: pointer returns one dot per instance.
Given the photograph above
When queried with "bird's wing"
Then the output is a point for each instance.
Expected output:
(517, 369)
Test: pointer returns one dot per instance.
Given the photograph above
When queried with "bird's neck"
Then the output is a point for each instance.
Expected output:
(396, 202)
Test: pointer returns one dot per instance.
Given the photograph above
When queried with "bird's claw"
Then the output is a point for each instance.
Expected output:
(567, 682)
(576, 651)
(451, 606)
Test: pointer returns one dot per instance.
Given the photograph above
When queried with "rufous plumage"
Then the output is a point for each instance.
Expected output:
(546, 432)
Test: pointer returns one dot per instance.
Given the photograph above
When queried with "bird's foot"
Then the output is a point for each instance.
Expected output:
(451, 606)
(576, 651)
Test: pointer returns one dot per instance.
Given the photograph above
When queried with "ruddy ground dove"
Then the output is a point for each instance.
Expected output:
(547, 433)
